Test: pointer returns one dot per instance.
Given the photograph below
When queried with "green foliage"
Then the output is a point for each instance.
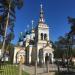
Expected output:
(4, 10)
(10, 49)
(58, 53)
(63, 47)
(71, 21)
(11, 52)
(0, 45)
(73, 52)
(8, 6)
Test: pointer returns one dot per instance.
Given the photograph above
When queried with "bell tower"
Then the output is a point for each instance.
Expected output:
(42, 32)
(42, 28)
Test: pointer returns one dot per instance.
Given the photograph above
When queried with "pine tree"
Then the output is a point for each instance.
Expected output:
(8, 7)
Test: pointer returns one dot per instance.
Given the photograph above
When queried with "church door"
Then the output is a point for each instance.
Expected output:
(50, 58)
(46, 58)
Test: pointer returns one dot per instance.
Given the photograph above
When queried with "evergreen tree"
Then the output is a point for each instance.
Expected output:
(4, 10)
(8, 7)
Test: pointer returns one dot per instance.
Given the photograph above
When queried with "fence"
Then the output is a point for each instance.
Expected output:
(9, 69)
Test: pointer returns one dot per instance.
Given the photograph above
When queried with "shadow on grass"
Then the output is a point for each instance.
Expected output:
(24, 73)
(1, 71)
(65, 73)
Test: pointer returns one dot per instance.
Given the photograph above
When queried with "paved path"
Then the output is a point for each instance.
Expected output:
(41, 71)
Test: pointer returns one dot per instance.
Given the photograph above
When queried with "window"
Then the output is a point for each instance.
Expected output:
(41, 36)
(45, 36)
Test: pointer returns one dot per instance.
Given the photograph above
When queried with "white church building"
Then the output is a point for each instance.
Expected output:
(36, 44)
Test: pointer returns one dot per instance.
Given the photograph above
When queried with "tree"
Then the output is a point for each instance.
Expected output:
(7, 18)
(71, 34)
(72, 22)
(65, 46)
(60, 47)
(66, 42)
(4, 10)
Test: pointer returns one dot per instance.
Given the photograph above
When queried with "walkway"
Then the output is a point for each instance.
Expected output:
(41, 71)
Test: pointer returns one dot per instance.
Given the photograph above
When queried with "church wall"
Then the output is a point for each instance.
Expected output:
(41, 34)
(27, 43)
(30, 52)
(32, 36)
(15, 58)
(16, 49)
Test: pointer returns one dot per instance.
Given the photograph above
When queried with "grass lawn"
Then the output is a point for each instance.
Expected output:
(11, 70)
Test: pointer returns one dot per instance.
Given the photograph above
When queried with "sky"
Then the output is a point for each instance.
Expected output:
(55, 13)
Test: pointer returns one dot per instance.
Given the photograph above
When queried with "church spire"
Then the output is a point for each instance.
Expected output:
(28, 29)
(32, 24)
(41, 20)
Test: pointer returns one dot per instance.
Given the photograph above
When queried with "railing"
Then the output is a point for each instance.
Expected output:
(9, 70)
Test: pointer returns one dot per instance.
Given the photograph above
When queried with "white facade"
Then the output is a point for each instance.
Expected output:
(42, 35)
(41, 45)
(18, 53)
(37, 43)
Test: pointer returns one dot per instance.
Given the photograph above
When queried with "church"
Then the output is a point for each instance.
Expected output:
(34, 44)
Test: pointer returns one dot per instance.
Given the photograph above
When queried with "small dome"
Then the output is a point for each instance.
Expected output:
(21, 43)
(24, 39)
(20, 40)
(27, 32)
(32, 30)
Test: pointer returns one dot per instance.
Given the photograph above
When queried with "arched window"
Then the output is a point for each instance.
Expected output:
(45, 36)
(41, 36)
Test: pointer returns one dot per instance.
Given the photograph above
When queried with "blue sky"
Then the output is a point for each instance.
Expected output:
(55, 12)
